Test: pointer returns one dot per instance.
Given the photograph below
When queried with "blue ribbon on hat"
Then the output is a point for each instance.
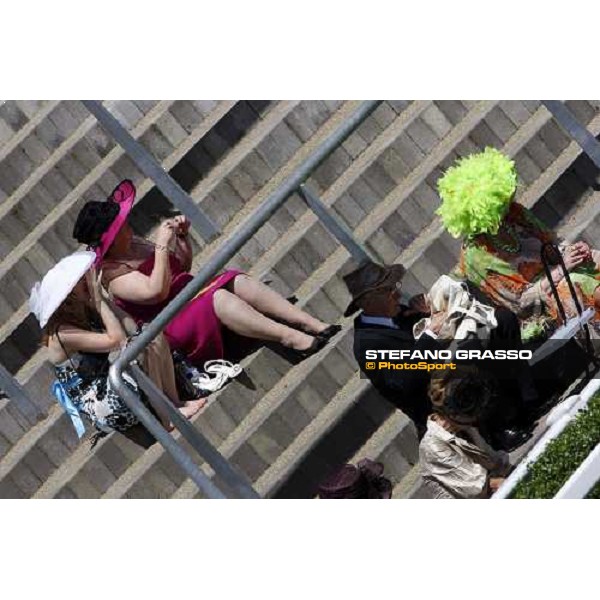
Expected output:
(65, 401)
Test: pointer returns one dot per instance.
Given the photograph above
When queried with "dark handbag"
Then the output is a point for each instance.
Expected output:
(185, 387)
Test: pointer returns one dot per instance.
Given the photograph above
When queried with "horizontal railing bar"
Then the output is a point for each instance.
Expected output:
(242, 234)
(585, 477)
(179, 455)
(218, 260)
(233, 478)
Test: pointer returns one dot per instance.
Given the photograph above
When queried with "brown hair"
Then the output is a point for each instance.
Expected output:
(462, 395)
(71, 312)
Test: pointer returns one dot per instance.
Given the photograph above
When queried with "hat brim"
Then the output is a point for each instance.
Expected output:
(124, 195)
(395, 273)
(47, 295)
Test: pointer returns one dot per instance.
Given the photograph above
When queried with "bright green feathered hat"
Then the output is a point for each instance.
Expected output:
(475, 193)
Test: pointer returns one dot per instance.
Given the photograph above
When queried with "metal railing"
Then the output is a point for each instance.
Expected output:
(223, 470)
(586, 476)
(556, 422)
(568, 121)
(236, 482)
(222, 255)
(153, 169)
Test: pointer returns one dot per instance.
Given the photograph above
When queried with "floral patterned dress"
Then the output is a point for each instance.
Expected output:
(83, 389)
(508, 269)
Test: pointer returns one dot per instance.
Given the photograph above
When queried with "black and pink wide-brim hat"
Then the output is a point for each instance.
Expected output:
(98, 223)
(363, 481)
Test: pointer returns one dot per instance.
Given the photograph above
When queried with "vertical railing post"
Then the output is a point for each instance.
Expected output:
(567, 120)
(152, 169)
(338, 229)
(226, 250)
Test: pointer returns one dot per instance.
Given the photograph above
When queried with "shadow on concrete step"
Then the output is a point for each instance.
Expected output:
(338, 446)
(199, 161)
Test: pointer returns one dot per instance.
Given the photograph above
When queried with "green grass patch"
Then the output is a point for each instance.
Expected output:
(563, 455)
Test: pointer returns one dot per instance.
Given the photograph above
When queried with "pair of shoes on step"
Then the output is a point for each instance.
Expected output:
(320, 341)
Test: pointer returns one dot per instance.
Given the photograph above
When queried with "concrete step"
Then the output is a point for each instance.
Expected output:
(301, 301)
(411, 486)
(145, 464)
(15, 141)
(287, 462)
(29, 370)
(18, 164)
(584, 213)
(144, 186)
(26, 466)
(362, 162)
(394, 444)
(108, 459)
(266, 179)
(150, 451)
(231, 161)
(60, 159)
(230, 438)
(260, 162)
(36, 176)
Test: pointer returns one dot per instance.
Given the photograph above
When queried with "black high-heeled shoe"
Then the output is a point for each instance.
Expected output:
(296, 356)
(328, 333)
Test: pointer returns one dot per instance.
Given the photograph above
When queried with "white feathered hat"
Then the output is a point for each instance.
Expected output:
(47, 295)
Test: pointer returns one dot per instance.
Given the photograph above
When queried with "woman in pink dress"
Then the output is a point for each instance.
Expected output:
(144, 277)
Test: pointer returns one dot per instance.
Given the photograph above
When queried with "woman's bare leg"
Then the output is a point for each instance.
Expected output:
(268, 301)
(158, 363)
(159, 366)
(240, 317)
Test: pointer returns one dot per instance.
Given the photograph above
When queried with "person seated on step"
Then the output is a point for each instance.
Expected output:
(475, 333)
(455, 461)
(80, 329)
(502, 243)
(384, 325)
(144, 277)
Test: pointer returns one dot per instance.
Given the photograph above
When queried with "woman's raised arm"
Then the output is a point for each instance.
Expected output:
(144, 289)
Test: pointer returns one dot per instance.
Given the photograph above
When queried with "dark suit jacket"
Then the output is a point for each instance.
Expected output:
(406, 389)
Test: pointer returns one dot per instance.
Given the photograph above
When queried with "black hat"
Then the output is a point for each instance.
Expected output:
(365, 480)
(368, 277)
(462, 395)
(93, 221)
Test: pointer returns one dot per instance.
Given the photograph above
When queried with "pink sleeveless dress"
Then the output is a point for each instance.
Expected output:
(196, 331)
